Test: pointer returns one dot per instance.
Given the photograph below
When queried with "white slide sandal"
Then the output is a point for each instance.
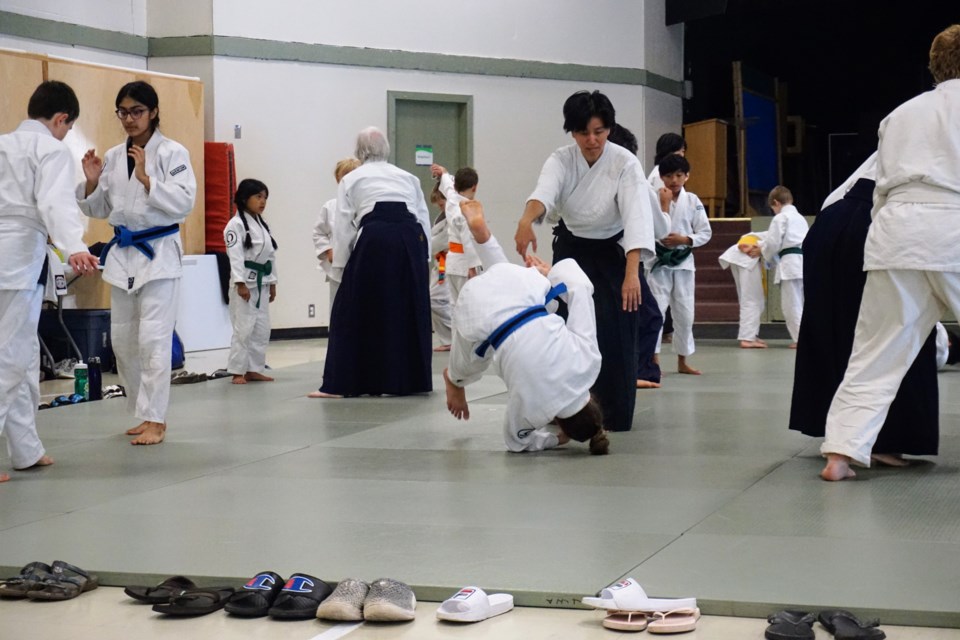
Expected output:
(472, 604)
(628, 595)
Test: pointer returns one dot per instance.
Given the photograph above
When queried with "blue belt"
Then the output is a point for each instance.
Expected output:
(502, 332)
(140, 240)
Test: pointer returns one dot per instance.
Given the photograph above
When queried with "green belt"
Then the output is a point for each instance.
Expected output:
(670, 257)
(789, 250)
(264, 269)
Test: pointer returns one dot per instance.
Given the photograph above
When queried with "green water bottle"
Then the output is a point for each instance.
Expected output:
(81, 384)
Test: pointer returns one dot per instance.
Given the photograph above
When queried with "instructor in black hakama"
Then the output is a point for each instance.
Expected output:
(833, 280)
(380, 334)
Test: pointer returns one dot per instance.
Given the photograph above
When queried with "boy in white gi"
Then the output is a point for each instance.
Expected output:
(547, 364)
(146, 188)
(36, 201)
(743, 260)
(784, 246)
(912, 258)
(672, 269)
(253, 274)
(323, 231)
(462, 261)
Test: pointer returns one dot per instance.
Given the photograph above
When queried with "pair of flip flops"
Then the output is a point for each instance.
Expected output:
(179, 596)
(40, 581)
(631, 609)
(472, 604)
(798, 625)
(383, 600)
(296, 598)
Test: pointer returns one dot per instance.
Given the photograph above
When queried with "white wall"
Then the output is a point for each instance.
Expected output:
(572, 31)
(167, 18)
(126, 16)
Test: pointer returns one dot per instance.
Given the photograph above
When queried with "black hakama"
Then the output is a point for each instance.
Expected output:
(605, 263)
(650, 323)
(380, 341)
(833, 280)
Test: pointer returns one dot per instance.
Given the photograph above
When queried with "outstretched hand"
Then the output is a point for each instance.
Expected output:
(83, 263)
(531, 260)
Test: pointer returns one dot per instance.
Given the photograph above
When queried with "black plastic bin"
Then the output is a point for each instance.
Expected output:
(90, 329)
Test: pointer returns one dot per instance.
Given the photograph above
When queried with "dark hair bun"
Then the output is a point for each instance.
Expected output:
(600, 444)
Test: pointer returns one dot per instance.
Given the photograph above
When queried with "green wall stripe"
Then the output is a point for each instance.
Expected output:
(235, 47)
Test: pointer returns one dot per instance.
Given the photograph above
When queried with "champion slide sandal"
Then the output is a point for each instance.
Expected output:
(196, 602)
(472, 604)
(300, 598)
(29, 576)
(163, 592)
(676, 621)
(628, 595)
(257, 595)
(346, 602)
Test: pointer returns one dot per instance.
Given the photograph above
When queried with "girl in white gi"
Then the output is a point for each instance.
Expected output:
(36, 201)
(743, 260)
(547, 364)
(462, 261)
(784, 246)
(251, 250)
(323, 231)
(912, 258)
(440, 309)
(672, 269)
(145, 187)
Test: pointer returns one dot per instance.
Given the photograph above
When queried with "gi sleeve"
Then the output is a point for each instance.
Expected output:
(439, 239)
(634, 202)
(53, 191)
(174, 191)
(529, 439)
(233, 236)
(344, 228)
(549, 186)
(447, 189)
(323, 229)
(702, 232)
(772, 244)
(97, 204)
(581, 315)
(466, 367)
(661, 219)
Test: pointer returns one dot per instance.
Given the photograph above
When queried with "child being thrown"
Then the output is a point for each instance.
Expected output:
(548, 365)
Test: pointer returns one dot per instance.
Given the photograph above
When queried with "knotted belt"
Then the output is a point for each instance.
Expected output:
(140, 240)
(502, 332)
(789, 250)
(670, 257)
(261, 269)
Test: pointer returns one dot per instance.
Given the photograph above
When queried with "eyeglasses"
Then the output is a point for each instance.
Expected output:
(134, 113)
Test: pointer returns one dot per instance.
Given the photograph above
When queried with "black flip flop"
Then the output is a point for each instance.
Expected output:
(196, 602)
(18, 586)
(300, 598)
(846, 626)
(163, 592)
(64, 582)
(790, 625)
(257, 596)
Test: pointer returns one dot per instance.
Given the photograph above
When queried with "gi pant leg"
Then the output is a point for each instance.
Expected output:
(141, 326)
(898, 311)
(20, 374)
(251, 332)
(681, 302)
(661, 286)
(750, 293)
(456, 285)
(791, 301)
(440, 311)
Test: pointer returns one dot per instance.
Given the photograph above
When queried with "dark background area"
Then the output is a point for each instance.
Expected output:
(845, 64)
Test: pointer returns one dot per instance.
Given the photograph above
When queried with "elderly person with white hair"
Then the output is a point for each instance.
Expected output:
(380, 341)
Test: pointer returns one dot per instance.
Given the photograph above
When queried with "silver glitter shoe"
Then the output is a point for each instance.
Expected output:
(389, 601)
(346, 601)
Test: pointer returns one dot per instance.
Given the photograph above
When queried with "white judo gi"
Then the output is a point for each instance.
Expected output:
(748, 276)
(440, 308)
(912, 259)
(462, 256)
(787, 231)
(145, 293)
(323, 242)
(548, 365)
(673, 286)
(36, 200)
(654, 178)
(250, 318)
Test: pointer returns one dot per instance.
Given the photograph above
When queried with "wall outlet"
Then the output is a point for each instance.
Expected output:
(237, 132)
(311, 311)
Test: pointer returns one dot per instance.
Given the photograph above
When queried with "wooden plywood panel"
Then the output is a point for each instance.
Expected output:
(19, 76)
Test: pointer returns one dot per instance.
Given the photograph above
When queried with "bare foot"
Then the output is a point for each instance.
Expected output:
(137, 430)
(793, 345)
(753, 344)
(253, 376)
(472, 210)
(443, 347)
(838, 468)
(683, 367)
(646, 384)
(4, 477)
(890, 459)
(238, 380)
(656, 359)
(667, 338)
(456, 399)
(153, 433)
(45, 461)
(321, 394)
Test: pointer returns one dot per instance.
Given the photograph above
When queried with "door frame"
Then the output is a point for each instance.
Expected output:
(466, 121)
